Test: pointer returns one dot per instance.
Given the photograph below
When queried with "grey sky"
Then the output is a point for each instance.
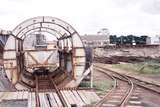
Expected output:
(88, 16)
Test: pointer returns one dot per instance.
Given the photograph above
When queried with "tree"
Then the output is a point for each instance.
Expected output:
(103, 31)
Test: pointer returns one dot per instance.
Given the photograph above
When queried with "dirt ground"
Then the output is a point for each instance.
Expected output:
(149, 99)
(101, 83)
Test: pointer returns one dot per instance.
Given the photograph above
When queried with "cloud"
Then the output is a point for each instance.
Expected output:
(3, 12)
(151, 6)
(148, 6)
(127, 3)
(88, 16)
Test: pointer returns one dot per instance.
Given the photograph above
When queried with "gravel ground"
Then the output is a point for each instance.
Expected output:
(14, 103)
(150, 99)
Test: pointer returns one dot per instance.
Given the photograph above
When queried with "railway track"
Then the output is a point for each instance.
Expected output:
(146, 85)
(143, 84)
(120, 93)
(44, 82)
(27, 98)
(46, 91)
(47, 94)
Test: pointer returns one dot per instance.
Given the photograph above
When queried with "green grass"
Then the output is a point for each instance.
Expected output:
(85, 84)
(102, 86)
(148, 67)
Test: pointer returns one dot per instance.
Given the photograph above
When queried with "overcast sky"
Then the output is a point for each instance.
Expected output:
(88, 16)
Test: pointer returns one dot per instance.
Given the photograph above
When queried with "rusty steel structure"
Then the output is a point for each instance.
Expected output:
(22, 64)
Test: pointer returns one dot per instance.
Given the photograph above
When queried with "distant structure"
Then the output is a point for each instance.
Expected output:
(155, 40)
(130, 40)
(38, 41)
(148, 40)
(3, 38)
(97, 40)
(103, 31)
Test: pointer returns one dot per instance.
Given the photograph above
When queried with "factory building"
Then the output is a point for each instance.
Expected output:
(95, 40)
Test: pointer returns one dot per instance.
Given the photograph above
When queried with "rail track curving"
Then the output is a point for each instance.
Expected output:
(141, 83)
(124, 93)
(134, 99)
(119, 94)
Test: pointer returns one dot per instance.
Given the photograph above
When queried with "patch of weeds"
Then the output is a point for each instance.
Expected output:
(102, 86)
(149, 67)
(85, 84)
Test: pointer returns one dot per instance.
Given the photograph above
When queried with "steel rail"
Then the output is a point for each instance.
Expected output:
(98, 104)
(126, 97)
(138, 82)
(36, 92)
(58, 92)
(129, 93)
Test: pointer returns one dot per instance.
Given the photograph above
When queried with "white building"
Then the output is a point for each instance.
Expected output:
(155, 40)
(95, 40)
